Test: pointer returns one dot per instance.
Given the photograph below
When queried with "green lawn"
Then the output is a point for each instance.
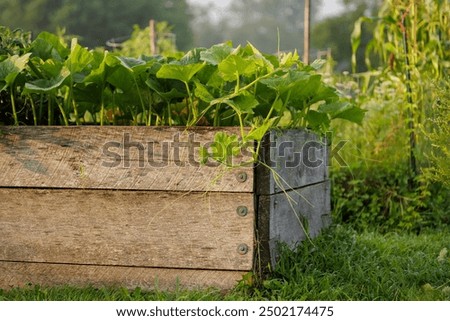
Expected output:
(340, 265)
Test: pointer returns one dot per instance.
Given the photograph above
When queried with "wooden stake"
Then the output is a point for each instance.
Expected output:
(307, 23)
(153, 49)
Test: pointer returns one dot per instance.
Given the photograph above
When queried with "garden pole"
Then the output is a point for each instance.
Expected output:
(306, 40)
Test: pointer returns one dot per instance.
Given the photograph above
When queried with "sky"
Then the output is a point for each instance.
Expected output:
(328, 8)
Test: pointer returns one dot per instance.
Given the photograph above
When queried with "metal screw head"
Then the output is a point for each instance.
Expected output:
(241, 177)
(242, 249)
(242, 211)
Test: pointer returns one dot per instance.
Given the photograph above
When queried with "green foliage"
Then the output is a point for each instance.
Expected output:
(380, 198)
(373, 190)
(437, 131)
(389, 183)
(139, 42)
(343, 265)
(96, 21)
(219, 86)
(13, 42)
(264, 23)
(335, 33)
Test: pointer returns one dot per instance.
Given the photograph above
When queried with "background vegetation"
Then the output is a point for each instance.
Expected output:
(387, 183)
(97, 21)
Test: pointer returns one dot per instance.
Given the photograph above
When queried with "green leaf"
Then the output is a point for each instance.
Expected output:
(234, 66)
(356, 38)
(183, 73)
(122, 78)
(204, 155)
(245, 102)
(106, 67)
(79, 59)
(47, 85)
(354, 114)
(260, 59)
(287, 60)
(335, 108)
(343, 110)
(224, 147)
(318, 64)
(305, 89)
(257, 133)
(317, 120)
(216, 54)
(166, 96)
(49, 46)
(11, 67)
(192, 57)
(202, 92)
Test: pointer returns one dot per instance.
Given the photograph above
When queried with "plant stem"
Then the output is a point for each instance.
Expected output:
(140, 95)
(33, 109)
(192, 110)
(102, 108)
(149, 117)
(217, 115)
(63, 113)
(50, 111)
(75, 111)
(41, 107)
(13, 106)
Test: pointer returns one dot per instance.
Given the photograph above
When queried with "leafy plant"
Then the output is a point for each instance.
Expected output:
(219, 86)
(412, 38)
(437, 131)
(387, 183)
(139, 42)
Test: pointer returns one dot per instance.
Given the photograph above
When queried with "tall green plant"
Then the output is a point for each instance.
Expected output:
(437, 131)
(413, 40)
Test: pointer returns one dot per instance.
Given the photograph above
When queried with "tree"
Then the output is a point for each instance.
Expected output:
(96, 21)
(335, 33)
(259, 22)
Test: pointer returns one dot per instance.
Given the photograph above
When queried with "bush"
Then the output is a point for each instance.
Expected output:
(380, 197)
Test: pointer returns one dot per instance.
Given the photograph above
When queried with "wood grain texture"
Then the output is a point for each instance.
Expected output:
(19, 274)
(297, 158)
(288, 217)
(126, 228)
(128, 158)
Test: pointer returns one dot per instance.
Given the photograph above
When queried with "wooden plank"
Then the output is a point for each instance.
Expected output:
(296, 158)
(289, 217)
(19, 274)
(127, 228)
(128, 158)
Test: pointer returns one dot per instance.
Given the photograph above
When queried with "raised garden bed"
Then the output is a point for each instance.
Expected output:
(133, 206)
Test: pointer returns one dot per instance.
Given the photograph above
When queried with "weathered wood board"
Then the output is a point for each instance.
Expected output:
(292, 218)
(132, 206)
(293, 196)
(297, 159)
(19, 274)
(147, 229)
(126, 158)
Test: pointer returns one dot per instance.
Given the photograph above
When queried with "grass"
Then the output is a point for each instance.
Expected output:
(341, 265)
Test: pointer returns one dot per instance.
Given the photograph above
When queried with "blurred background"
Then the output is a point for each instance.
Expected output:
(270, 25)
